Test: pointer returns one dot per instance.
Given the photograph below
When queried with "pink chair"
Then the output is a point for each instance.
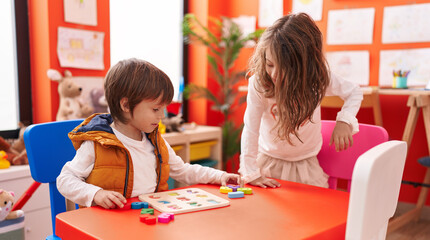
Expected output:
(339, 165)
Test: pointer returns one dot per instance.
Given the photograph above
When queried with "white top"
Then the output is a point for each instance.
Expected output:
(259, 119)
(71, 181)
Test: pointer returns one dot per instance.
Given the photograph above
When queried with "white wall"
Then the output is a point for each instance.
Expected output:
(149, 30)
(9, 113)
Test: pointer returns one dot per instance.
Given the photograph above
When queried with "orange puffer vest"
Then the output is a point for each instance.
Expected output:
(113, 166)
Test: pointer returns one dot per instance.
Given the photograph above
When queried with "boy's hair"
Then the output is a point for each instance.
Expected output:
(135, 80)
(295, 43)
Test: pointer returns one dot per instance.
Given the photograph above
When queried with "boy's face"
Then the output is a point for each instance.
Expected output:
(147, 114)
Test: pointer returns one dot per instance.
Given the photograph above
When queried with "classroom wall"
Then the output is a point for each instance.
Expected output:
(394, 109)
(45, 16)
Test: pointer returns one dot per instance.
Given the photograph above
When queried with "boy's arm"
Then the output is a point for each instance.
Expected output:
(191, 173)
(71, 181)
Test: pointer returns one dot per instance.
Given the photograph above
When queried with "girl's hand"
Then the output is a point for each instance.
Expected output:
(231, 179)
(265, 182)
(109, 199)
(341, 136)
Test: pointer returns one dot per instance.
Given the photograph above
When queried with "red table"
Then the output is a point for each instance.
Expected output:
(293, 211)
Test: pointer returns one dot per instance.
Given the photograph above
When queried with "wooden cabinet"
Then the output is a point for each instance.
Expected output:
(37, 210)
(198, 143)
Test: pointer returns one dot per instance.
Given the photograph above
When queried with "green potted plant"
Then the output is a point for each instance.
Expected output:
(224, 40)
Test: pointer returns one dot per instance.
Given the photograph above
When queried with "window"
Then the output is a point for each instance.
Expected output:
(149, 30)
(9, 103)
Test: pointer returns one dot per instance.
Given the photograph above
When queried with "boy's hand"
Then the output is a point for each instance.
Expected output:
(265, 182)
(341, 136)
(231, 179)
(109, 199)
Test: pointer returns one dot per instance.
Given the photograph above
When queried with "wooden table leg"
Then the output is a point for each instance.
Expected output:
(415, 103)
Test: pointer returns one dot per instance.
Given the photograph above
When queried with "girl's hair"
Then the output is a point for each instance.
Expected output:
(295, 43)
(135, 80)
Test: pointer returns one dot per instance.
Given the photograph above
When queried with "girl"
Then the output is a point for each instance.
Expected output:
(282, 133)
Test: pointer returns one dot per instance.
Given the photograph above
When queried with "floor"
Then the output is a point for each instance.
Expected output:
(413, 231)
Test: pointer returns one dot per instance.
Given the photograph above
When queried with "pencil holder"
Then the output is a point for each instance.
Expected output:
(400, 82)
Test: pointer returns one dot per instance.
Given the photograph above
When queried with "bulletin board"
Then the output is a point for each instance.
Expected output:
(377, 45)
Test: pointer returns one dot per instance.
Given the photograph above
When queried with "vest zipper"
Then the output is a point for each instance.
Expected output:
(126, 173)
(159, 160)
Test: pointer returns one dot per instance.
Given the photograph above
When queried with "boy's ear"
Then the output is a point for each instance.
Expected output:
(124, 104)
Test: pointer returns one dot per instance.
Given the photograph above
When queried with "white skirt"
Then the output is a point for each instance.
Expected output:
(307, 171)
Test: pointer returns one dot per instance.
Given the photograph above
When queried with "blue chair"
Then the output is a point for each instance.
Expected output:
(48, 149)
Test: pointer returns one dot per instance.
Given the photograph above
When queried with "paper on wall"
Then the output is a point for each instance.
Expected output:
(350, 26)
(80, 48)
(414, 60)
(408, 23)
(350, 65)
(312, 7)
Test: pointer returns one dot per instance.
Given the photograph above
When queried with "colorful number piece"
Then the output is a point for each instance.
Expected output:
(233, 187)
(237, 194)
(166, 217)
(147, 210)
(139, 205)
(245, 190)
(148, 219)
(224, 189)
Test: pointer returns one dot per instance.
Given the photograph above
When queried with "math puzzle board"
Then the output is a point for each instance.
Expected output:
(183, 200)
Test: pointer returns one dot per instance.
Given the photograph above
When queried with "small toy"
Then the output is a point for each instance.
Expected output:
(245, 190)
(183, 200)
(4, 163)
(6, 203)
(237, 194)
(70, 105)
(224, 189)
(139, 205)
(147, 211)
(173, 123)
(148, 219)
(166, 217)
(233, 187)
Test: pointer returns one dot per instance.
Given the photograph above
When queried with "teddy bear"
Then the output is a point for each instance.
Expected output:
(6, 203)
(15, 149)
(70, 105)
(173, 123)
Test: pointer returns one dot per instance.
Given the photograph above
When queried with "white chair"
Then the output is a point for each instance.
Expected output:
(375, 187)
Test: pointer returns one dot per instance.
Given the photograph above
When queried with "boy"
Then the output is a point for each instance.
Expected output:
(122, 154)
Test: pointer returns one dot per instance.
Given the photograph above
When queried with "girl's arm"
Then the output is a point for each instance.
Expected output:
(250, 134)
(346, 121)
(352, 95)
(71, 181)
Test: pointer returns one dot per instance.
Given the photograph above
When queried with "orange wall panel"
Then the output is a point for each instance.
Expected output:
(45, 16)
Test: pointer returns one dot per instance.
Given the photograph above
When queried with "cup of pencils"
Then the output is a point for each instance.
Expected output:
(400, 79)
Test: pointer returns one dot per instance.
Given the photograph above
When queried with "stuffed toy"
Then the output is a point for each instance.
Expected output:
(6, 203)
(98, 100)
(173, 123)
(70, 105)
(15, 149)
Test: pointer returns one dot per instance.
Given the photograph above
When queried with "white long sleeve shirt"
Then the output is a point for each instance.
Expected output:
(258, 134)
(71, 181)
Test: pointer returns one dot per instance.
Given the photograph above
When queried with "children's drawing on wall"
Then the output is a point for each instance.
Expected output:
(312, 7)
(81, 12)
(80, 48)
(407, 23)
(350, 65)
(414, 60)
(269, 11)
(350, 26)
(92, 92)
